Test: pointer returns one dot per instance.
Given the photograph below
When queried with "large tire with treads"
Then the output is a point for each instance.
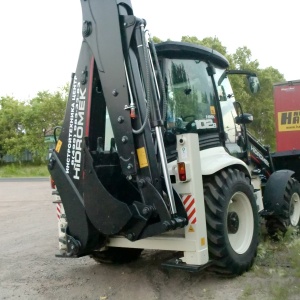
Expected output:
(116, 255)
(232, 221)
(290, 213)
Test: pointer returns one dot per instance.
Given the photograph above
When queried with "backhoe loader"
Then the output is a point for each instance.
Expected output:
(142, 159)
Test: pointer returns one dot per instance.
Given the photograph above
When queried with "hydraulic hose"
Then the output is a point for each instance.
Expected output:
(160, 79)
(147, 83)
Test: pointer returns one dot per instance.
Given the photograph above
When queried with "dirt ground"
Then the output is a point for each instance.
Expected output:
(30, 270)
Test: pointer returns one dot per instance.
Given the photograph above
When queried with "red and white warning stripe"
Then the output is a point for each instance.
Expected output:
(190, 207)
(58, 211)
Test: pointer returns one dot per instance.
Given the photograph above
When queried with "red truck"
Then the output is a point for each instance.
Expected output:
(287, 115)
(287, 118)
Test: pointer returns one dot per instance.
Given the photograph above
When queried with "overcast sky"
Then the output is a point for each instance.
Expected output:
(40, 40)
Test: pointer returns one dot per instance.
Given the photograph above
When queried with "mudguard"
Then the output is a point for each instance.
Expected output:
(216, 159)
(274, 191)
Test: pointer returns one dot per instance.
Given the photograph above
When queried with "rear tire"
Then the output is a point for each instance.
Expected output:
(232, 221)
(293, 196)
(290, 215)
(115, 255)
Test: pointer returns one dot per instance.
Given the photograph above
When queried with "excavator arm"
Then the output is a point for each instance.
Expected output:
(118, 184)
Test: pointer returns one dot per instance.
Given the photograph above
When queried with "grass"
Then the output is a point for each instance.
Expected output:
(295, 257)
(280, 291)
(23, 170)
(279, 261)
(247, 292)
(284, 252)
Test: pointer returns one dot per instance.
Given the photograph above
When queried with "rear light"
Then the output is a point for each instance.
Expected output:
(181, 171)
(52, 183)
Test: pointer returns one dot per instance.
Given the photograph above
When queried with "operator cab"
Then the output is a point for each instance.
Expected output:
(197, 100)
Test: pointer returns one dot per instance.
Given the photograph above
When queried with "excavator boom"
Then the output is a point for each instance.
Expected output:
(117, 185)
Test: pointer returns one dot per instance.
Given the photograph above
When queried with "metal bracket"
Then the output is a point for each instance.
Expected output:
(73, 246)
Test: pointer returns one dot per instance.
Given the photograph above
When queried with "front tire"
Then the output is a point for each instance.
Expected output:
(232, 221)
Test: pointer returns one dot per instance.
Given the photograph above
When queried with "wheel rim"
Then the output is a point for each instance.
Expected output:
(240, 223)
(295, 209)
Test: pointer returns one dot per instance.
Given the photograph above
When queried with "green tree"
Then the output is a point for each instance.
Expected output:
(260, 105)
(156, 40)
(12, 130)
(43, 113)
(24, 125)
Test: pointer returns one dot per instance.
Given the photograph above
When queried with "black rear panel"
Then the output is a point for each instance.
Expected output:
(289, 160)
(209, 141)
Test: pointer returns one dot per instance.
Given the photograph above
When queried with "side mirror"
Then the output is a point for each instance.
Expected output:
(253, 83)
(244, 119)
